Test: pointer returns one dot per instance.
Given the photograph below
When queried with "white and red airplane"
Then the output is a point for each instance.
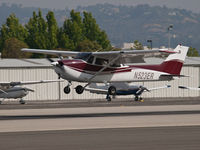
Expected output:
(110, 67)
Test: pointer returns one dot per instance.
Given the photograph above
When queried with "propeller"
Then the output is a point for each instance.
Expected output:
(56, 63)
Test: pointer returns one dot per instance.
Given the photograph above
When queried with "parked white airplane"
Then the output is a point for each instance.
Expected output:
(122, 89)
(12, 90)
(110, 67)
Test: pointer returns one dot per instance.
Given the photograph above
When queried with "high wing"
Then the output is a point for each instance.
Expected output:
(189, 88)
(8, 84)
(105, 53)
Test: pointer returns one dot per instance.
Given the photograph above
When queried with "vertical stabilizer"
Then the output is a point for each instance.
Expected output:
(174, 62)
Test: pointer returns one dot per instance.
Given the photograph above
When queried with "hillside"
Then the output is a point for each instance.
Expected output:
(126, 24)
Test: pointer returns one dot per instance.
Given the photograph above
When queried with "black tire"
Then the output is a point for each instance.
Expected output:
(67, 90)
(136, 98)
(108, 99)
(22, 102)
(112, 90)
(79, 89)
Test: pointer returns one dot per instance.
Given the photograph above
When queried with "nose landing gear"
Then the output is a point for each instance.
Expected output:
(67, 89)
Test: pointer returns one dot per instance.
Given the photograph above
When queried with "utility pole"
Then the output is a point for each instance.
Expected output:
(169, 35)
(150, 41)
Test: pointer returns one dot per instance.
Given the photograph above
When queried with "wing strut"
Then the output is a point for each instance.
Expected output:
(102, 69)
(3, 91)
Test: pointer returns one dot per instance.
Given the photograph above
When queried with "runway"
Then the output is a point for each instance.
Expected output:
(88, 128)
(156, 138)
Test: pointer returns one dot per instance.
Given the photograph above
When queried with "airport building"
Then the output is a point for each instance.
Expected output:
(40, 69)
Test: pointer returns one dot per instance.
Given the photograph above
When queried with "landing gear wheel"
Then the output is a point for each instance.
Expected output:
(112, 90)
(67, 90)
(22, 102)
(79, 89)
(136, 98)
(0, 102)
(108, 98)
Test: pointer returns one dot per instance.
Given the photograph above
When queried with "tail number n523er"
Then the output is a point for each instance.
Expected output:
(144, 75)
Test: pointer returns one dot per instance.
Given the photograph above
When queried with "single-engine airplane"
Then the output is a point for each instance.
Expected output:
(122, 89)
(9, 90)
(111, 66)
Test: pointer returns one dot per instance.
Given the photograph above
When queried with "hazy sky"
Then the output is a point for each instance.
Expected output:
(193, 5)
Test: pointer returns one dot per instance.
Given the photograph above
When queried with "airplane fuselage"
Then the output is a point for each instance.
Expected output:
(81, 71)
(14, 92)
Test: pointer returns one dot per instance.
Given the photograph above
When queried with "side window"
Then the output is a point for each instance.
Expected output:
(100, 61)
(90, 60)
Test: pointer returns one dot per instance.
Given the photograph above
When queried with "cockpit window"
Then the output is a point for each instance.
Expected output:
(101, 61)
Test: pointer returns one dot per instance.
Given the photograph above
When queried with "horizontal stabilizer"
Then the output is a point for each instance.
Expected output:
(189, 88)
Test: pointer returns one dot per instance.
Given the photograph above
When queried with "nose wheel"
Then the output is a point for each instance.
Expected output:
(67, 89)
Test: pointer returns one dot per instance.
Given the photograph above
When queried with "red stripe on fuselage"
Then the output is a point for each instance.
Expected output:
(82, 66)
(171, 67)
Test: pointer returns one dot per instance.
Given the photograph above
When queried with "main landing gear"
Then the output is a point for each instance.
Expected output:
(137, 98)
(111, 91)
(79, 89)
(21, 101)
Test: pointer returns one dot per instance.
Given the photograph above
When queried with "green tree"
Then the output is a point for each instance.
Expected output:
(93, 32)
(73, 27)
(192, 52)
(91, 29)
(52, 31)
(138, 45)
(12, 29)
(64, 41)
(103, 40)
(37, 32)
(88, 46)
(12, 49)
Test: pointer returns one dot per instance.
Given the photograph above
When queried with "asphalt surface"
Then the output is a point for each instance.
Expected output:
(156, 138)
(96, 124)
(98, 103)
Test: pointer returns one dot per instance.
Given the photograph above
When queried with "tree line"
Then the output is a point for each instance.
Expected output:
(79, 32)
